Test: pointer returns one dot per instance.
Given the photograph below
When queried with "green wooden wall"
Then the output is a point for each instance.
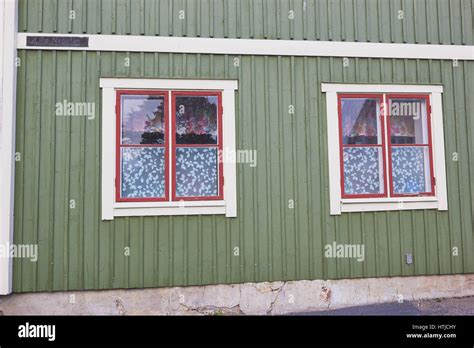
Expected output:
(424, 21)
(61, 161)
(60, 156)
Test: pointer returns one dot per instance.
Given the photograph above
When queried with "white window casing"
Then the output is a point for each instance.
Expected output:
(111, 208)
(339, 205)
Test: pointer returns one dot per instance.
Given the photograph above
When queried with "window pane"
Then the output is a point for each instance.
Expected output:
(411, 169)
(360, 124)
(363, 170)
(408, 121)
(143, 119)
(143, 172)
(196, 172)
(196, 120)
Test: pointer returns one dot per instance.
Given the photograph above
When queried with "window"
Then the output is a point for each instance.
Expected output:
(362, 146)
(384, 156)
(142, 151)
(410, 148)
(197, 140)
(169, 135)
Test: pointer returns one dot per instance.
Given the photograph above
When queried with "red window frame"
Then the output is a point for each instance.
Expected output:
(119, 145)
(342, 146)
(426, 98)
(219, 145)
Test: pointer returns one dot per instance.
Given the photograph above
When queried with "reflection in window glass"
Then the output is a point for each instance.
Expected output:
(408, 121)
(143, 119)
(360, 124)
(196, 119)
(362, 151)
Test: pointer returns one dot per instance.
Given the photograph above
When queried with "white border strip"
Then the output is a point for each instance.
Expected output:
(334, 154)
(119, 83)
(130, 43)
(438, 150)
(108, 153)
(387, 88)
(8, 29)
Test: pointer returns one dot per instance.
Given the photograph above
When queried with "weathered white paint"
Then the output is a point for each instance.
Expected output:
(169, 204)
(168, 211)
(273, 298)
(385, 206)
(195, 84)
(110, 208)
(333, 153)
(337, 204)
(130, 43)
(438, 150)
(372, 88)
(8, 30)
(108, 153)
(230, 168)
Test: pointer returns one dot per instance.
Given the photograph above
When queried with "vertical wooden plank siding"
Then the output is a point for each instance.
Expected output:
(421, 21)
(61, 163)
(283, 218)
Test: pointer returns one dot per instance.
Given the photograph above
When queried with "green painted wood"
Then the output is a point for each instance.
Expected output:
(61, 161)
(270, 239)
(424, 21)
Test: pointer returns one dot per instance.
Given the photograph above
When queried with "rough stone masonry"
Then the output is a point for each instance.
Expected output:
(268, 298)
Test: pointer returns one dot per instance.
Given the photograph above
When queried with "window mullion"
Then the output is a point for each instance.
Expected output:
(169, 146)
(386, 145)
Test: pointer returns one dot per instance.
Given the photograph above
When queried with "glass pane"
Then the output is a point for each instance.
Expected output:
(196, 120)
(363, 170)
(408, 121)
(196, 172)
(411, 169)
(360, 124)
(143, 119)
(143, 172)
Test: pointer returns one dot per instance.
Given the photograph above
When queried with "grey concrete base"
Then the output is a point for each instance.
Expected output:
(439, 306)
(248, 298)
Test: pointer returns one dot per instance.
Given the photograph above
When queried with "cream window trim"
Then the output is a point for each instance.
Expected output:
(339, 205)
(111, 208)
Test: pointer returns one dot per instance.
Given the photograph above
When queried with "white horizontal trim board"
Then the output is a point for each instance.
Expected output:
(130, 43)
(174, 84)
(179, 204)
(168, 211)
(388, 88)
(385, 206)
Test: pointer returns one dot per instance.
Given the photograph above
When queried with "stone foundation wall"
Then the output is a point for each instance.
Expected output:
(250, 298)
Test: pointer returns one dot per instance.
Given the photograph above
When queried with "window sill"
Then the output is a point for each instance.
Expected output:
(390, 204)
(178, 204)
(390, 200)
(170, 208)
